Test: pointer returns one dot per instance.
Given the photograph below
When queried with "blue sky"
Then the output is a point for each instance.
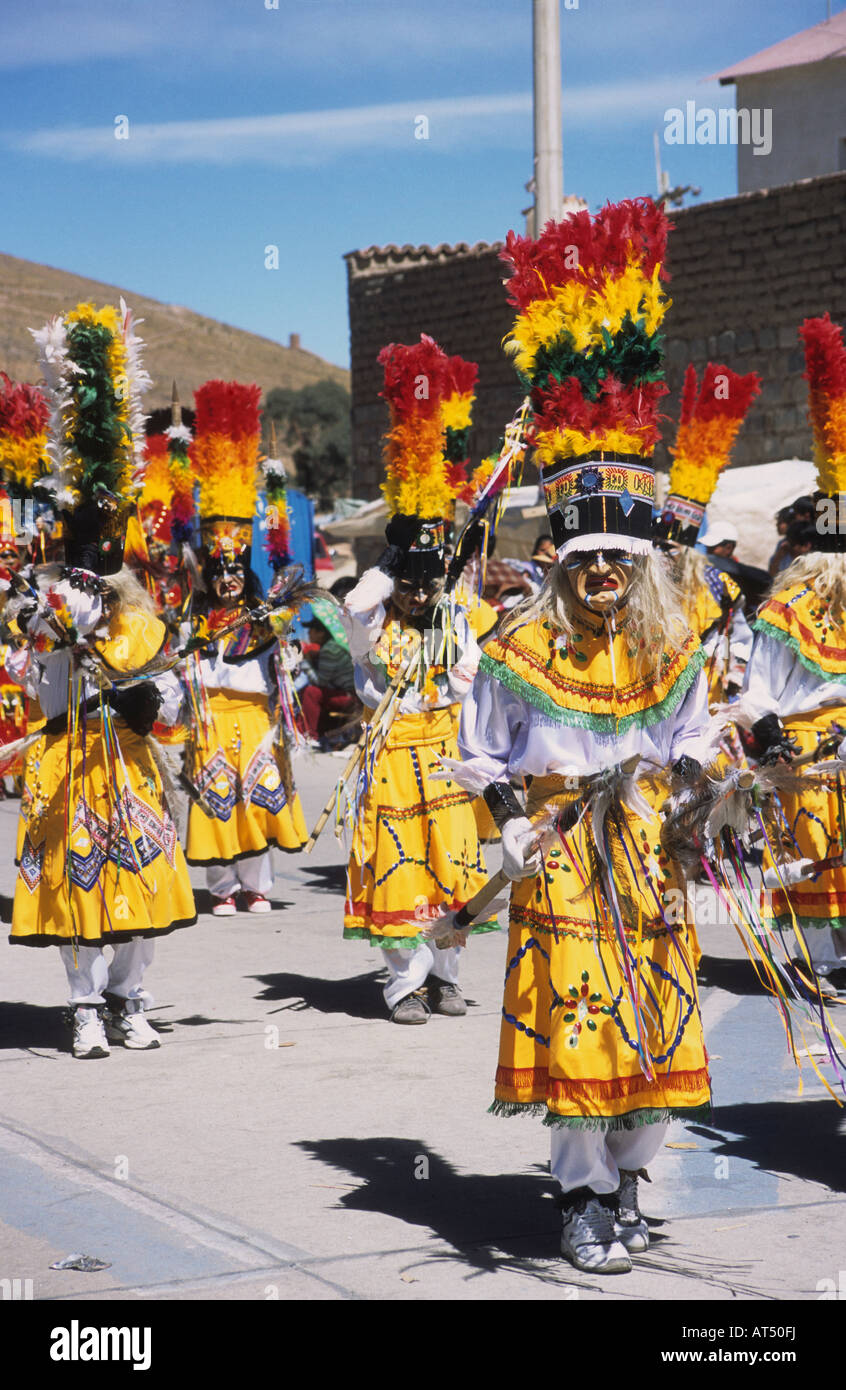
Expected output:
(252, 125)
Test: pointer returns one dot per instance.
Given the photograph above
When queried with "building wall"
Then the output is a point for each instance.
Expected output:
(808, 105)
(745, 272)
(460, 301)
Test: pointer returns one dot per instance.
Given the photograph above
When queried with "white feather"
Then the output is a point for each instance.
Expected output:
(373, 588)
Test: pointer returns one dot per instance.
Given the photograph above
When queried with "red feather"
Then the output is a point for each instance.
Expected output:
(589, 249)
(688, 400)
(825, 356)
(227, 407)
(415, 378)
(724, 393)
(23, 408)
(461, 376)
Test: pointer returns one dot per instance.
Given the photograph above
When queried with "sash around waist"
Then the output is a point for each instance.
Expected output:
(430, 726)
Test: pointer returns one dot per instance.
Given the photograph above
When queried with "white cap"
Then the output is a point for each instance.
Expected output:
(717, 532)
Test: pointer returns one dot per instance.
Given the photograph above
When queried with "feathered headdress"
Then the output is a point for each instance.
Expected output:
(24, 412)
(457, 415)
(711, 415)
(92, 367)
(587, 348)
(154, 502)
(225, 455)
(825, 372)
(416, 487)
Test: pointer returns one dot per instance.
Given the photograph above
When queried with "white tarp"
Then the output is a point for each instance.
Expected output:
(750, 497)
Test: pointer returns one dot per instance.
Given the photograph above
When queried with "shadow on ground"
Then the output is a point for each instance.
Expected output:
(734, 976)
(326, 878)
(358, 997)
(508, 1222)
(802, 1137)
(33, 1026)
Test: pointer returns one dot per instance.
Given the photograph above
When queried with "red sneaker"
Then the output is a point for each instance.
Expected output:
(223, 907)
(256, 902)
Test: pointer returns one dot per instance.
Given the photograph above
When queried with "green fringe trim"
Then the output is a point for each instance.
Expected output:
(778, 635)
(785, 921)
(583, 719)
(409, 943)
(635, 1119)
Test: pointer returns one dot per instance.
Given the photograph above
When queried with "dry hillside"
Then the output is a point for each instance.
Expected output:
(180, 344)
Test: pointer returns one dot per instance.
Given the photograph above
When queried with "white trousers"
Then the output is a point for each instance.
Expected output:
(826, 947)
(593, 1157)
(92, 974)
(254, 874)
(409, 969)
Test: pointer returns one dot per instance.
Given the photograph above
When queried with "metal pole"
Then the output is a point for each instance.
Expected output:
(549, 155)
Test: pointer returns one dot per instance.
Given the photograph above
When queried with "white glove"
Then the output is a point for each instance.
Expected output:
(517, 837)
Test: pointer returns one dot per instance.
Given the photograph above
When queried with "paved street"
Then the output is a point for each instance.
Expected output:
(287, 1141)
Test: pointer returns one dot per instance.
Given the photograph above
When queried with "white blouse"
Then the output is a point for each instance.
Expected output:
(364, 629)
(777, 682)
(47, 672)
(502, 736)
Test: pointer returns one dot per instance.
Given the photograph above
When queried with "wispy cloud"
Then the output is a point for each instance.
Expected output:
(316, 33)
(292, 138)
(314, 137)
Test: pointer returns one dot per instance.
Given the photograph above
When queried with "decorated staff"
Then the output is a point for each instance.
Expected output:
(711, 416)
(414, 843)
(796, 678)
(238, 764)
(601, 1031)
(100, 863)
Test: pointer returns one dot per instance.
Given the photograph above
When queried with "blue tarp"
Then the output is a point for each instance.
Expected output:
(301, 521)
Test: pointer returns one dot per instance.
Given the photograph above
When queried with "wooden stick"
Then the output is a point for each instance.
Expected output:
(475, 906)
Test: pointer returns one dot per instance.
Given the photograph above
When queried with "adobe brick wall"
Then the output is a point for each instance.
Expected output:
(745, 272)
(460, 301)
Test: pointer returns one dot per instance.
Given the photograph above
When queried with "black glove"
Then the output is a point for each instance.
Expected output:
(502, 803)
(772, 743)
(137, 706)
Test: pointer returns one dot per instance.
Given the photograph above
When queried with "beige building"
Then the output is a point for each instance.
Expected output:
(802, 83)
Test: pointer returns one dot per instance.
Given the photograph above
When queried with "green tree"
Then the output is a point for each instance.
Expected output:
(314, 423)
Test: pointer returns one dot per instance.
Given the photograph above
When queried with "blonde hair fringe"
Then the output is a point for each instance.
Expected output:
(653, 610)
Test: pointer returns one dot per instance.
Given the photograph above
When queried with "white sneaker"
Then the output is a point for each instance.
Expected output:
(130, 1027)
(588, 1239)
(89, 1034)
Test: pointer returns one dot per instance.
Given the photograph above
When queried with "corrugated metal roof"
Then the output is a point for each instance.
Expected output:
(392, 257)
(814, 45)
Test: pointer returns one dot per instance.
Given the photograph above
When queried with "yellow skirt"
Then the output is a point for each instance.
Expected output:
(811, 828)
(119, 871)
(574, 1030)
(35, 722)
(241, 784)
(415, 843)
